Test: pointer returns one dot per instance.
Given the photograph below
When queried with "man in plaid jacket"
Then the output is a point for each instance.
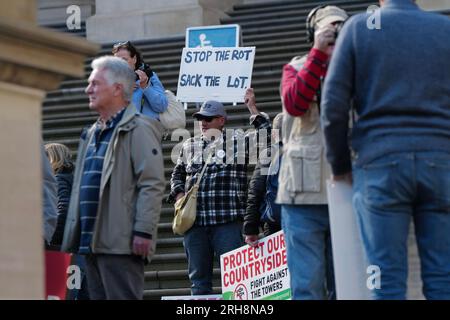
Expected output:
(222, 194)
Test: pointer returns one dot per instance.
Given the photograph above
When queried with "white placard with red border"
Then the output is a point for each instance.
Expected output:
(257, 273)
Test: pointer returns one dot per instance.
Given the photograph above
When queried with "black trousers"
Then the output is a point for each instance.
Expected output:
(115, 277)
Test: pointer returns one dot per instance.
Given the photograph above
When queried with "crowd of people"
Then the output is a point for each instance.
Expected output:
(370, 107)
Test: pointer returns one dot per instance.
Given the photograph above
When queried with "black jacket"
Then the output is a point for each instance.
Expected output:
(64, 180)
(256, 193)
(255, 197)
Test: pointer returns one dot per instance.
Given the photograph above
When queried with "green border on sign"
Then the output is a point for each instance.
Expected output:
(282, 295)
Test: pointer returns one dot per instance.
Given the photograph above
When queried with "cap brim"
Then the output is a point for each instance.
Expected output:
(329, 20)
(204, 114)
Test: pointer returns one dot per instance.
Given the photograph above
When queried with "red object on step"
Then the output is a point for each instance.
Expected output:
(56, 264)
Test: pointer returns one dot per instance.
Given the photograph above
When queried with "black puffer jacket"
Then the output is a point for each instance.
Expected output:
(256, 193)
(64, 180)
(255, 197)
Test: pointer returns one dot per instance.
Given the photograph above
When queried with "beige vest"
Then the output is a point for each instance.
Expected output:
(304, 169)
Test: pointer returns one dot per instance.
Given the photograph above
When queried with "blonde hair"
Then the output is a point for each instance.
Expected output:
(59, 156)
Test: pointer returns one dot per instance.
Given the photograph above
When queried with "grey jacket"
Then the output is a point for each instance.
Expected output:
(131, 187)
(303, 171)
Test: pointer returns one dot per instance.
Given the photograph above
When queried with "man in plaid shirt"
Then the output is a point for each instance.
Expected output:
(222, 194)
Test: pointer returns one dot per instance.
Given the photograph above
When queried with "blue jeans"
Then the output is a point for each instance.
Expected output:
(200, 244)
(309, 254)
(388, 193)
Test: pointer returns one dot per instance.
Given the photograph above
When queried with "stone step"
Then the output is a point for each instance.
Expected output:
(298, 33)
(249, 10)
(297, 9)
(264, 29)
(299, 14)
(166, 245)
(165, 230)
(149, 52)
(172, 279)
(156, 294)
(168, 261)
(62, 27)
(150, 44)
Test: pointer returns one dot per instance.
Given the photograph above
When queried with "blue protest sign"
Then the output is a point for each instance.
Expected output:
(213, 36)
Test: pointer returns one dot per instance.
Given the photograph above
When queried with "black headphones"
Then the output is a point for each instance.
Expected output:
(310, 27)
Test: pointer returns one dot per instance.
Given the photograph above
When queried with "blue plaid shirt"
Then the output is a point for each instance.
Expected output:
(90, 180)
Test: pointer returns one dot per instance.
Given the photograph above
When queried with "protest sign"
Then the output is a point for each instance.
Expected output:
(256, 273)
(213, 36)
(221, 74)
(350, 267)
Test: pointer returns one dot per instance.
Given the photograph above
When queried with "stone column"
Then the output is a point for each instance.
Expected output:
(32, 61)
(118, 20)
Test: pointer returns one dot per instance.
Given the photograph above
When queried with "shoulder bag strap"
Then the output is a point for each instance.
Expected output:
(197, 183)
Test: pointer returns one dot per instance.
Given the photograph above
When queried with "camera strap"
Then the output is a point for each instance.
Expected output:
(142, 103)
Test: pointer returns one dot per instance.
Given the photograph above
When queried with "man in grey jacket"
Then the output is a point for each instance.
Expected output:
(118, 187)
(398, 77)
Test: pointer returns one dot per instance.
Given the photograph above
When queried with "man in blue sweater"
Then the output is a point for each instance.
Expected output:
(397, 76)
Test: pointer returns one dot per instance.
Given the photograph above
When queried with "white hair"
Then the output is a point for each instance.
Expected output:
(116, 71)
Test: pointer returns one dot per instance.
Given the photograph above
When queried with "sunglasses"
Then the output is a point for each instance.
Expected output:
(122, 44)
(206, 119)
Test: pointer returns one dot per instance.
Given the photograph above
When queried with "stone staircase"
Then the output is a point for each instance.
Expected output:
(277, 29)
(62, 27)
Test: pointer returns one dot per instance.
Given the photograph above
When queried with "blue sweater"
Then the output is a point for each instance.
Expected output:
(398, 78)
(91, 180)
(152, 100)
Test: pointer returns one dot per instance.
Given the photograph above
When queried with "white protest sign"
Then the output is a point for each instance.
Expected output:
(256, 273)
(221, 74)
(350, 266)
